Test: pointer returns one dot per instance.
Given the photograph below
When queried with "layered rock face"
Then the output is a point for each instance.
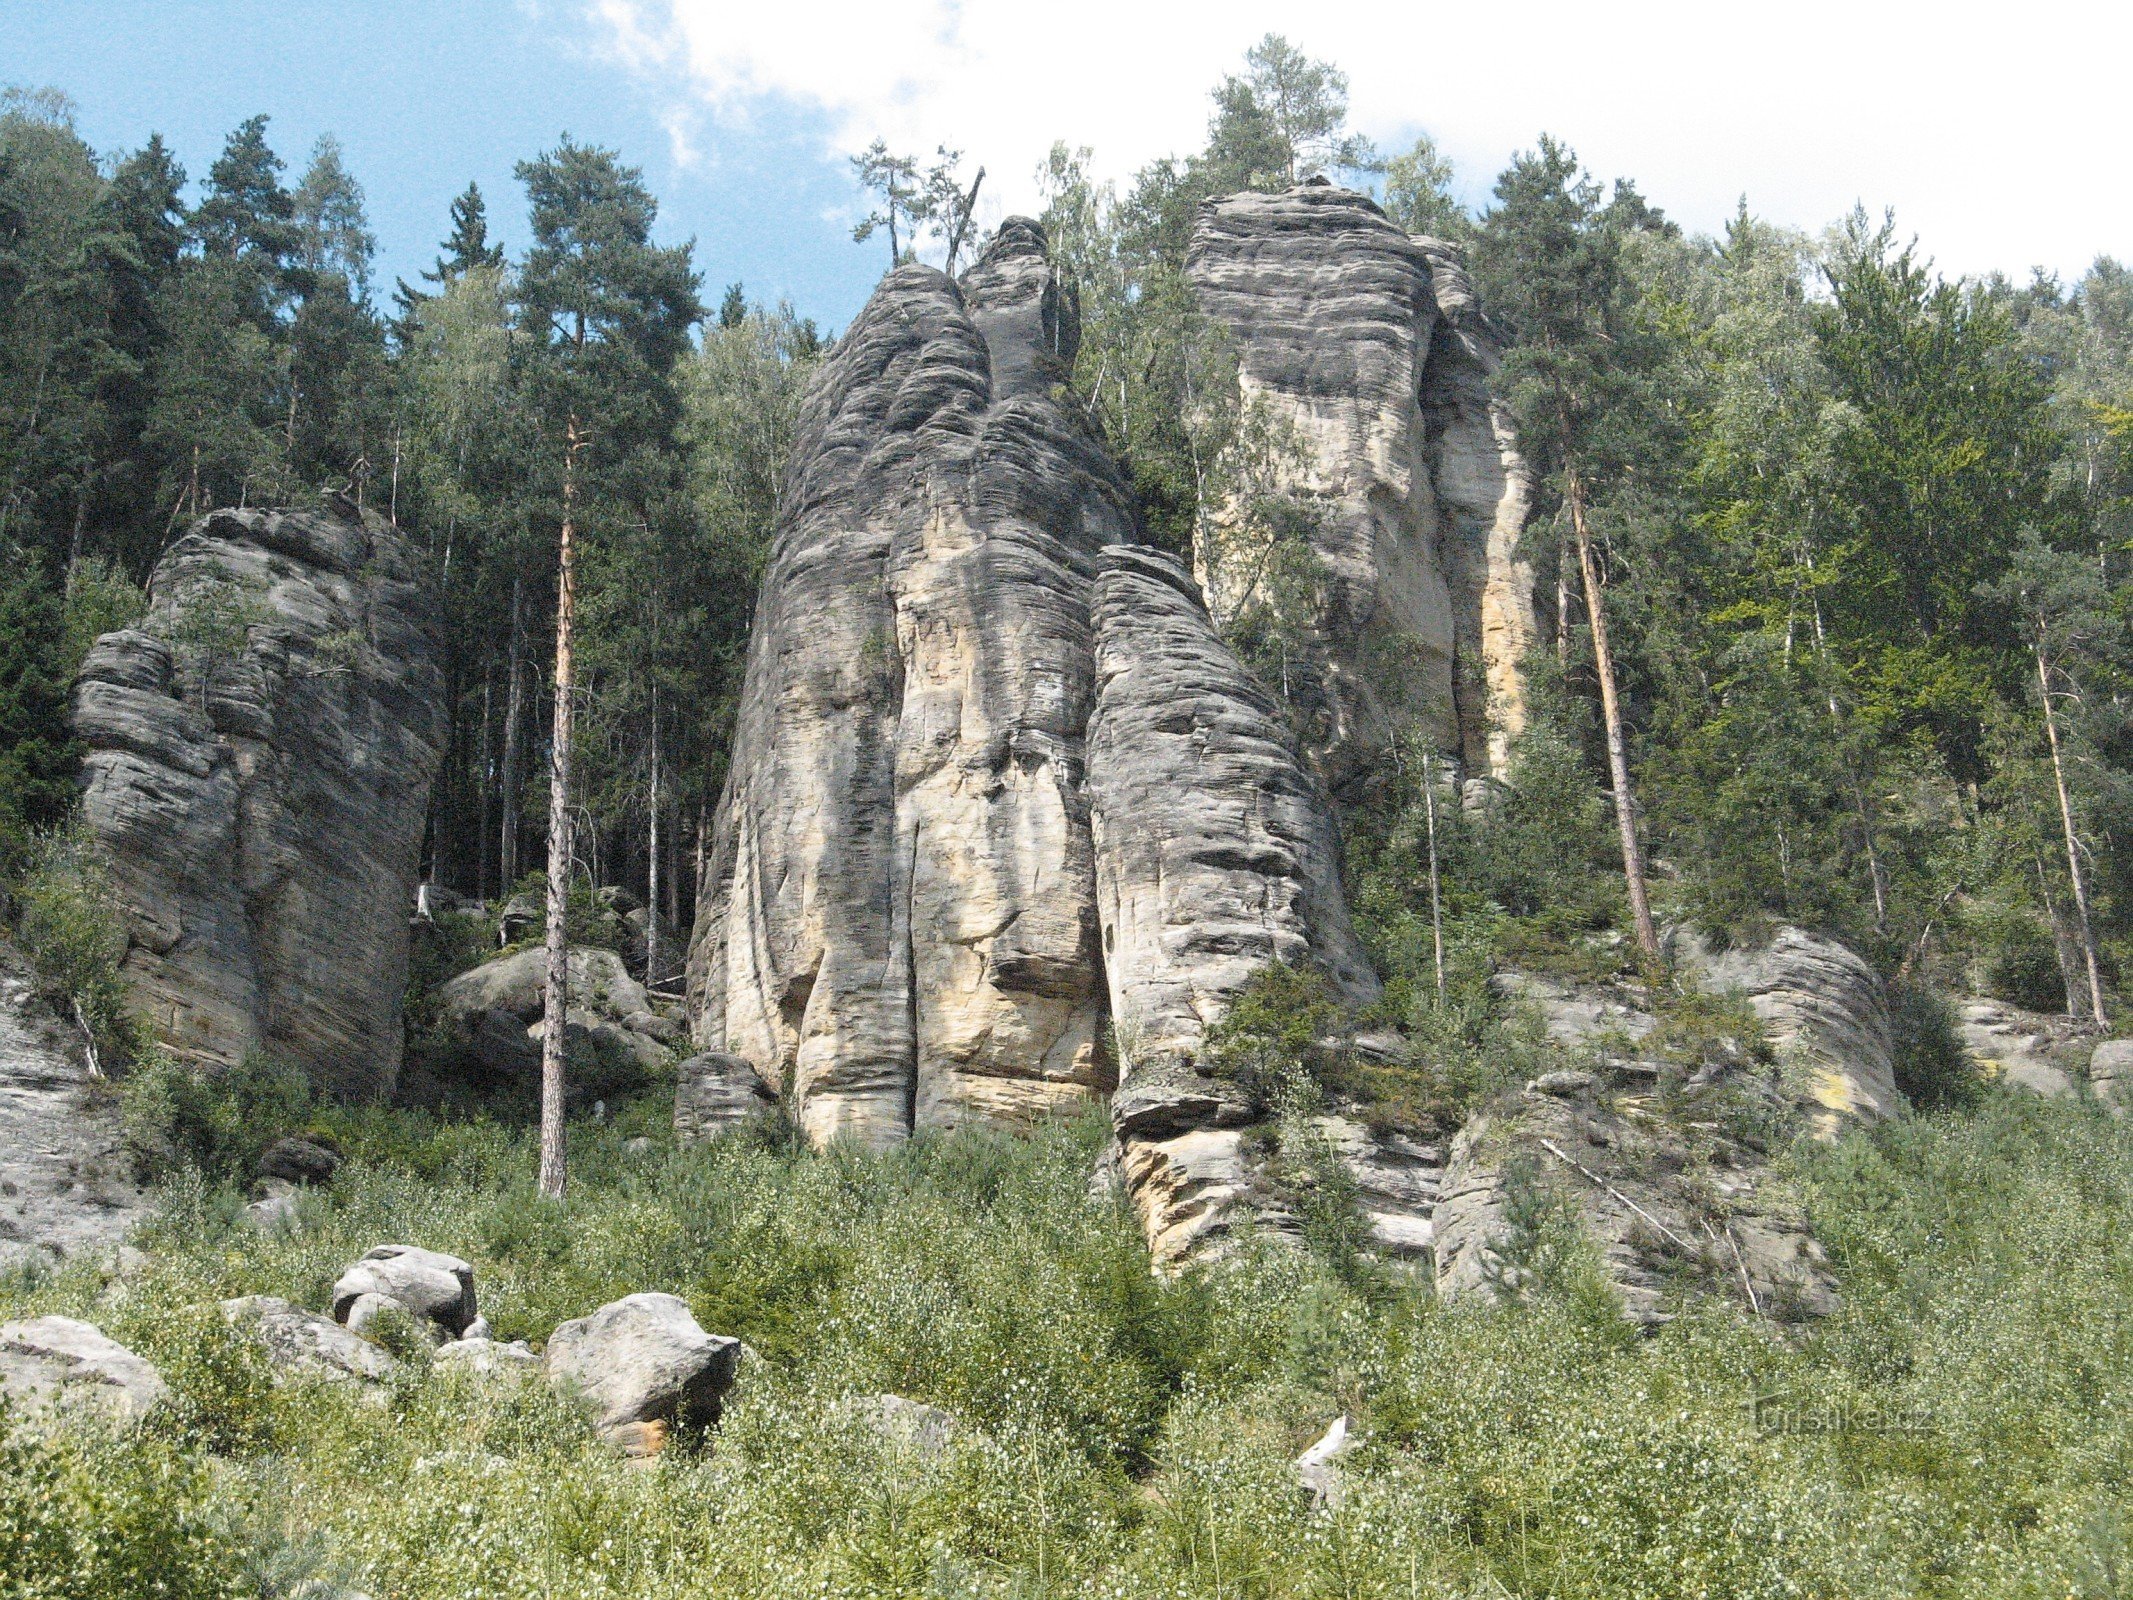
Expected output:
(68, 1185)
(899, 927)
(1366, 352)
(260, 754)
(996, 782)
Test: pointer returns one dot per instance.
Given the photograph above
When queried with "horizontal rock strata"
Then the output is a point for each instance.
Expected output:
(260, 751)
(1363, 362)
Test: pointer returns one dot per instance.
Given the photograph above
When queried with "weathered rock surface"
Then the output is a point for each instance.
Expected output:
(716, 1092)
(2111, 1074)
(1215, 855)
(926, 1431)
(899, 924)
(491, 1021)
(66, 1181)
(303, 1344)
(260, 750)
(642, 1367)
(55, 1366)
(1367, 349)
(1666, 1195)
(2023, 1049)
(488, 1358)
(1398, 1181)
(1318, 1469)
(295, 1159)
(428, 1285)
(1822, 1004)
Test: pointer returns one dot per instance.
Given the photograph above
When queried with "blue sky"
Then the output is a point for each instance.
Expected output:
(425, 95)
(1999, 145)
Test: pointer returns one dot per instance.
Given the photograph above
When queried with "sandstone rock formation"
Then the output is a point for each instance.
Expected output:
(996, 782)
(1365, 353)
(490, 1019)
(1822, 1004)
(2111, 1075)
(642, 1367)
(66, 1181)
(303, 1344)
(435, 1289)
(1666, 1200)
(2024, 1049)
(260, 750)
(54, 1366)
(900, 923)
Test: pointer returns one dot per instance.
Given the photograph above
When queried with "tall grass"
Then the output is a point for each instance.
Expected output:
(1959, 1428)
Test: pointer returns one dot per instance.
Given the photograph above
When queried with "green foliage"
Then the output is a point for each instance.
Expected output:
(74, 932)
(37, 754)
(107, 1519)
(215, 1120)
(1951, 1429)
(1933, 1068)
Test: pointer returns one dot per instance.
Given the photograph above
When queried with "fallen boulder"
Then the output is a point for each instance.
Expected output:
(491, 1015)
(2111, 1074)
(641, 1367)
(52, 1366)
(297, 1159)
(715, 1092)
(433, 1288)
(302, 1343)
(488, 1357)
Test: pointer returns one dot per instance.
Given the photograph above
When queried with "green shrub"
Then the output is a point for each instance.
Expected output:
(1933, 1069)
(216, 1119)
(74, 931)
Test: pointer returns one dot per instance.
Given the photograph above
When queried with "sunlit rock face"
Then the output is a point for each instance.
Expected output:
(900, 928)
(1008, 825)
(1363, 362)
(260, 752)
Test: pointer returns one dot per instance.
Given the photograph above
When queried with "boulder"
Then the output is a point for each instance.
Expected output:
(910, 1425)
(1668, 1196)
(259, 756)
(490, 1017)
(1366, 349)
(276, 1213)
(433, 1288)
(1318, 1469)
(298, 1160)
(2023, 1049)
(487, 1358)
(641, 1368)
(716, 1091)
(303, 1344)
(2111, 1074)
(66, 1179)
(56, 1366)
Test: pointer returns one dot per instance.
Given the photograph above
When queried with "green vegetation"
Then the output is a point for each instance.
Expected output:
(1957, 1428)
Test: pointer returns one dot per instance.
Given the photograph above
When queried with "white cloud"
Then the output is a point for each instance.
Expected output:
(1994, 136)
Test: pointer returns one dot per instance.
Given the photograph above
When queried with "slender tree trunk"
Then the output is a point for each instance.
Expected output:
(1851, 774)
(482, 787)
(555, 997)
(1562, 605)
(514, 740)
(1436, 900)
(2073, 844)
(1617, 745)
(2065, 947)
(651, 870)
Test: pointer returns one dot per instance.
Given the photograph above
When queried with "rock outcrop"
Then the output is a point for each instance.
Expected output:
(66, 1180)
(304, 1344)
(260, 751)
(52, 1367)
(1363, 361)
(2025, 1049)
(489, 1018)
(641, 1367)
(2111, 1075)
(1666, 1199)
(999, 793)
(435, 1290)
(1822, 1005)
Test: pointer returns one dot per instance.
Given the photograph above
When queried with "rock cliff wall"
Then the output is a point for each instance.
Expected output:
(260, 751)
(996, 783)
(1366, 352)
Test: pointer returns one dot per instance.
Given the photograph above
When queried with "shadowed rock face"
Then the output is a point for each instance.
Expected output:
(996, 781)
(261, 748)
(1366, 349)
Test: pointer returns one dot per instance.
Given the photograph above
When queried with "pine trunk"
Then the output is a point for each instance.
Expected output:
(1640, 906)
(514, 741)
(2082, 921)
(651, 870)
(556, 993)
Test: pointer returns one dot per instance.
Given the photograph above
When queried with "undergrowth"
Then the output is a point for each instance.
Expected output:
(1959, 1428)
